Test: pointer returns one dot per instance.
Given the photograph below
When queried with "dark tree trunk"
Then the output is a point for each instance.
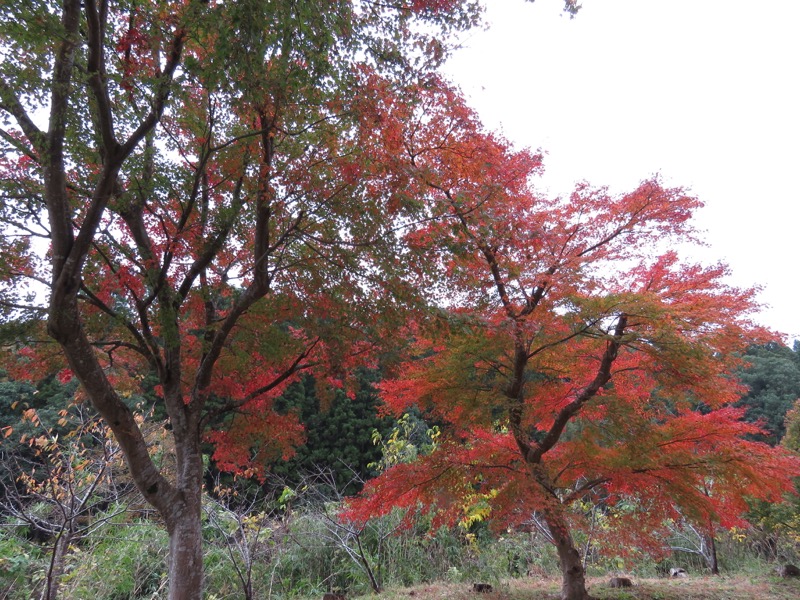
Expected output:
(373, 581)
(711, 553)
(573, 582)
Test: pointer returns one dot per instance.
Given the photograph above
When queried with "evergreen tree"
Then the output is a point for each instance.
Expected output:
(773, 379)
(338, 432)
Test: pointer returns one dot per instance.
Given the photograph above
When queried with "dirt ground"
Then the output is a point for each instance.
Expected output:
(766, 587)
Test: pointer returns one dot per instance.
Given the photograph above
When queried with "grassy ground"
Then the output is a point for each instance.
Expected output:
(765, 587)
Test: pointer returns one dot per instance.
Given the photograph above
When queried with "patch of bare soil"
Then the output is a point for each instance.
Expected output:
(764, 587)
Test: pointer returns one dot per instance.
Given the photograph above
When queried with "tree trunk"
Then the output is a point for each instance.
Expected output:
(376, 587)
(184, 526)
(711, 553)
(573, 583)
(185, 557)
(56, 567)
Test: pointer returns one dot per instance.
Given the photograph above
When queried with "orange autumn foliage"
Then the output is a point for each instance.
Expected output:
(575, 352)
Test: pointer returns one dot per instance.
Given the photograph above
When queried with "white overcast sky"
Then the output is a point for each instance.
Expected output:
(704, 92)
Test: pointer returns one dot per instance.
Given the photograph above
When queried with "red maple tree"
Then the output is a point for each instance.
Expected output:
(574, 352)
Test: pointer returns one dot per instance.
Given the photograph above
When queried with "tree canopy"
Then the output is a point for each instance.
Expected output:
(575, 354)
(200, 187)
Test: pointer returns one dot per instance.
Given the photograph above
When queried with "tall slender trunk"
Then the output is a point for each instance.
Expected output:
(376, 586)
(573, 582)
(56, 567)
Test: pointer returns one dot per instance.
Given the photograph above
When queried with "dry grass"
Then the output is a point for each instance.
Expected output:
(764, 587)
